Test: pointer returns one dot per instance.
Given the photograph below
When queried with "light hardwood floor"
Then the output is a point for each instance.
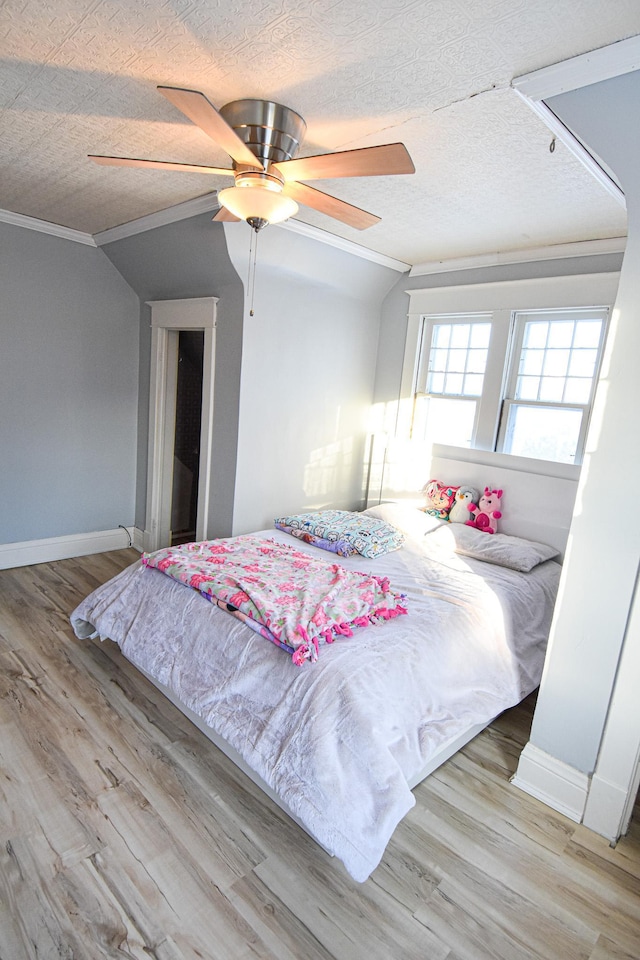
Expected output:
(126, 834)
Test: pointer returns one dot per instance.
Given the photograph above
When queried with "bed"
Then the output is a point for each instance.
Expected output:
(340, 743)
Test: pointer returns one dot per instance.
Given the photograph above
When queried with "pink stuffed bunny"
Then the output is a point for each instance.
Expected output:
(485, 516)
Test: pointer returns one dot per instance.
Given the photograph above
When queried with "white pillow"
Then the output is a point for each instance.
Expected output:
(409, 520)
(515, 553)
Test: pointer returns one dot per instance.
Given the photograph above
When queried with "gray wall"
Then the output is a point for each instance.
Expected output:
(189, 259)
(293, 383)
(309, 356)
(68, 389)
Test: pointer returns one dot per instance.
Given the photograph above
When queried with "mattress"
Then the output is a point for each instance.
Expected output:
(340, 740)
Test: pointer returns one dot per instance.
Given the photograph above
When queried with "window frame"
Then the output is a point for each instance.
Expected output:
(520, 319)
(503, 300)
(428, 324)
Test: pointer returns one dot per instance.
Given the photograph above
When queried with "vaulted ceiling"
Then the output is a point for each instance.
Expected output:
(80, 77)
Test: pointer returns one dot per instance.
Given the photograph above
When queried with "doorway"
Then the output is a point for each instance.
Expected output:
(180, 454)
(186, 441)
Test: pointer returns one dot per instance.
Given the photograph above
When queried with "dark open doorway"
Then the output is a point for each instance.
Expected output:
(186, 458)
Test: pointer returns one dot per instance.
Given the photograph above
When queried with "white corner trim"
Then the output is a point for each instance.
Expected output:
(604, 63)
(315, 233)
(63, 548)
(137, 538)
(44, 226)
(574, 145)
(614, 60)
(556, 251)
(555, 783)
(180, 211)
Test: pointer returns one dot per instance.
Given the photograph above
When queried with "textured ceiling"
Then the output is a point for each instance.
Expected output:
(80, 76)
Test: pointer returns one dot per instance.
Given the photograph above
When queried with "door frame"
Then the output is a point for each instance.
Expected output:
(616, 779)
(168, 318)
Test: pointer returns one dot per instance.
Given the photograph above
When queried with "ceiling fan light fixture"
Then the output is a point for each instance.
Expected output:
(257, 202)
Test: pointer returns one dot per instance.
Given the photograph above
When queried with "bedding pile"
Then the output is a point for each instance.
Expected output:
(286, 596)
(339, 744)
(344, 532)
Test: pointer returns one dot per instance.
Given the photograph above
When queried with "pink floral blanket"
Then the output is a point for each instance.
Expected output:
(287, 596)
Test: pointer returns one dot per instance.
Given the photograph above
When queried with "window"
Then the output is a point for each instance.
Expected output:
(516, 381)
(451, 378)
(555, 361)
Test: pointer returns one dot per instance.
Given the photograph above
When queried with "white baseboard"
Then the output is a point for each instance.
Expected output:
(605, 809)
(63, 548)
(555, 783)
(138, 540)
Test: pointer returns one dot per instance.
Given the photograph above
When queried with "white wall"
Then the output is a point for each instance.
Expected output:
(590, 628)
(308, 362)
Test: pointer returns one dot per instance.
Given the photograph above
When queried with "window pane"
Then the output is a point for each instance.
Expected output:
(535, 333)
(480, 334)
(451, 355)
(439, 359)
(560, 333)
(527, 388)
(440, 420)
(545, 433)
(457, 360)
(583, 363)
(435, 383)
(551, 389)
(578, 390)
(441, 334)
(453, 383)
(477, 361)
(556, 363)
(460, 335)
(531, 362)
(473, 385)
(587, 333)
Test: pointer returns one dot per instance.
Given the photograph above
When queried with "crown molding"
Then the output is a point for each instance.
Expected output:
(322, 236)
(180, 211)
(557, 251)
(593, 67)
(209, 203)
(44, 226)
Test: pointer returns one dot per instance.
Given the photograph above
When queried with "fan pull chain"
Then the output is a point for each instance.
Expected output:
(250, 262)
(251, 281)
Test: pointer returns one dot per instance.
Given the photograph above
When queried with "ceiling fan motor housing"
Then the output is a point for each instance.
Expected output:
(271, 131)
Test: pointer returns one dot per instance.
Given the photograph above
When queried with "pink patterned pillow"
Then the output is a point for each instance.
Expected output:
(439, 498)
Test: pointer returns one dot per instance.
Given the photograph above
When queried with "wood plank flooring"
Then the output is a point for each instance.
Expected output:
(124, 833)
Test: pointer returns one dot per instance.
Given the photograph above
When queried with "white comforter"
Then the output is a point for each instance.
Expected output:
(338, 740)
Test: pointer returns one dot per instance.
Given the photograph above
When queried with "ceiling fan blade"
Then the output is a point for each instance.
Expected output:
(226, 216)
(160, 165)
(201, 111)
(324, 203)
(384, 160)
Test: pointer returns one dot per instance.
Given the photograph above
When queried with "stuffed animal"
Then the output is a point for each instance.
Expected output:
(485, 516)
(466, 497)
(439, 498)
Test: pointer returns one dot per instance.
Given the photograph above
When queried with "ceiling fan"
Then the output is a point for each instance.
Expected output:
(263, 138)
